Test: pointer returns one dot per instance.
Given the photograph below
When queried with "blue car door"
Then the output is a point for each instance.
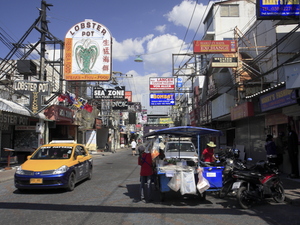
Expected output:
(79, 167)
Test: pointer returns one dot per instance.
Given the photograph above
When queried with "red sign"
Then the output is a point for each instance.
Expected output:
(162, 84)
(128, 96)
(242, 111)
(60, 114)
(209, 47)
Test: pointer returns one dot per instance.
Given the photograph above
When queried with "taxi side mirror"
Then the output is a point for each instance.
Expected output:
(29, 156)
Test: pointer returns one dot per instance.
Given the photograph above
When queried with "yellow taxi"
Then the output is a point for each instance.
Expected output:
(59, 164)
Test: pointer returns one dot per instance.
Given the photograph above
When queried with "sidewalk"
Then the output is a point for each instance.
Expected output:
(291, 186)
(292, 189)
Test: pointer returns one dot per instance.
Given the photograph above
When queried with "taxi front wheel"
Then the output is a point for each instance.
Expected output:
(71, 182)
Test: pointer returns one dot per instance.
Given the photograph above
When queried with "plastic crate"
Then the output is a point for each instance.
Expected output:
(214, 176)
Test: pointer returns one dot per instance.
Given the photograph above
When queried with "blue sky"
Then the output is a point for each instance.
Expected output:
(154, 29)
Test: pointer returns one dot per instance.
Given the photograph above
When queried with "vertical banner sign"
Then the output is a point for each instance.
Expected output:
(88, 48)
(128, 96)
(36, 91)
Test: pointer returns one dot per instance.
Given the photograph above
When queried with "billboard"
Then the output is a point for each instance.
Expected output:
(213, 47)
(277, 10)
(88, 47)
(161, 83)
(162, 99)
(292, 75)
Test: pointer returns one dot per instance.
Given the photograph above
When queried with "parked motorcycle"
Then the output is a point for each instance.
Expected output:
(257, 184)
(231, 164)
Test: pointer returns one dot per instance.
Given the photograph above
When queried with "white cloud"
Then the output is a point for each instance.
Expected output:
(181, 15)
(161, 28)
(159, 52)
(129, 47)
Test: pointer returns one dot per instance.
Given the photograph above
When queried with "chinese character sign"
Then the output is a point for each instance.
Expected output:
(88, 47)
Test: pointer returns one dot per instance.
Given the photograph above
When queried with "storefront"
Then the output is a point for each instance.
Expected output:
(64, 127)
(18, 130)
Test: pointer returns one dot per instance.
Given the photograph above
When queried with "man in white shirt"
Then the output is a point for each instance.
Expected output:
(133, 147)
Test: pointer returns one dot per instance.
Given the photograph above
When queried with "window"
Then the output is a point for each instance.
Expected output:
(80, 151)
(229, 11)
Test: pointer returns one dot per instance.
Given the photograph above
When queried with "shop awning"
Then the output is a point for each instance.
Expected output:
(9, 106)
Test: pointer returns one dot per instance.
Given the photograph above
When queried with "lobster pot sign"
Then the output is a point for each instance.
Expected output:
(88, 47)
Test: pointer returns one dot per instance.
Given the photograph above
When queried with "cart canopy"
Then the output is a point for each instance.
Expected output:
(186, 131)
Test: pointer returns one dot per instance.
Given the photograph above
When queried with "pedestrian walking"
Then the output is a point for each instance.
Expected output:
(270, 148)
(133, 147)
(146, 172)
(293, 152)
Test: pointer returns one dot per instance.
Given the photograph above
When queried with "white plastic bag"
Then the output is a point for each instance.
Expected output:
(188, 185)
(203, 183)
(175, 182)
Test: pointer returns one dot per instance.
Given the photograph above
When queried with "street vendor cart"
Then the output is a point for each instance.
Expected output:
(181, 174)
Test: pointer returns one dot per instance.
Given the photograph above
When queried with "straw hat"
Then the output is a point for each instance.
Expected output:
(211, 144)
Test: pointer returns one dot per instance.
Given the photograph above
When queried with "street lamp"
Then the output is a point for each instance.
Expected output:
(138, 59)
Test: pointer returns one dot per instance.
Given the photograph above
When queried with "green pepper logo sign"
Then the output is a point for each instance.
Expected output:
(86, 53)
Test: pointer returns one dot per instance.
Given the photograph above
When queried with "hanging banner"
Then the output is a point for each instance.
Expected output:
(88, 48)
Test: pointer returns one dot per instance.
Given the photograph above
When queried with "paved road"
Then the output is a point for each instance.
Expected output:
(109, 198)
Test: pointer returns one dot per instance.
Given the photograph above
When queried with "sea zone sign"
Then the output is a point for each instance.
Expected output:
(88, 47)
(100, 93)
(161, 84)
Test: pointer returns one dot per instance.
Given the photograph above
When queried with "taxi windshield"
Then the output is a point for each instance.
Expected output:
(53, 152)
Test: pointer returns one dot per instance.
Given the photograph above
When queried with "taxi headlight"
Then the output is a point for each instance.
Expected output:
(61, 170)
(19, 170)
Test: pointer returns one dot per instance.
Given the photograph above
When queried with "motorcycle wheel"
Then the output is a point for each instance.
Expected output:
(278, 193)
(225, 190)
(243, 199)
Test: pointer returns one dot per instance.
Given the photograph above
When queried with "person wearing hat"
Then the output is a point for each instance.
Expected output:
(208, 154)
